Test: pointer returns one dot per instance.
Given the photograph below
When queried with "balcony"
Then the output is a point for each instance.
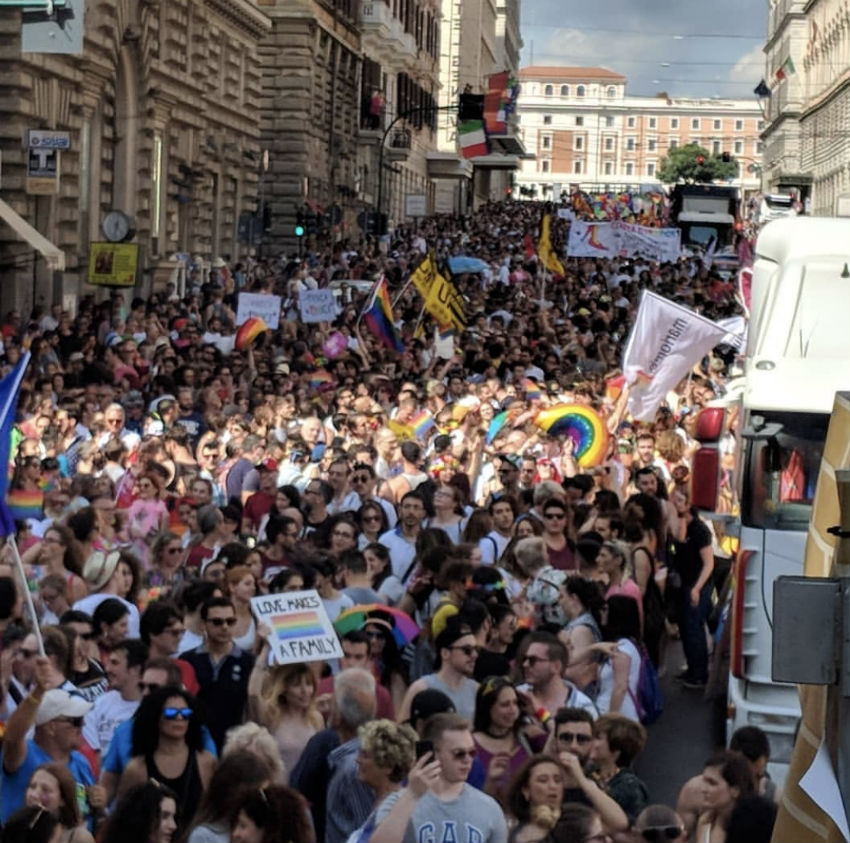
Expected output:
(383, 34)
(398, 145)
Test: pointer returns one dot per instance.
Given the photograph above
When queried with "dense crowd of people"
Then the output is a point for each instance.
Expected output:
(518, 605)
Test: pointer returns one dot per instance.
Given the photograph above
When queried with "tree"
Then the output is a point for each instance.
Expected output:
(693, 163)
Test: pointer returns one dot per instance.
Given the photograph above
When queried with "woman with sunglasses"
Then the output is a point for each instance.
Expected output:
(59, 553)
(168, 747)
(147, 514)
(534, 799)
(373, 523)
(166, 559)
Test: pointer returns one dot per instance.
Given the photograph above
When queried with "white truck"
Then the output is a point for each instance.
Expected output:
(798, 356)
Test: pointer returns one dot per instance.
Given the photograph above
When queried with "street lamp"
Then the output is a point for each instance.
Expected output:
(404, 115)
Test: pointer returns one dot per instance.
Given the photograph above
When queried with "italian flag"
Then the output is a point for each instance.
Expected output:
(473, 138)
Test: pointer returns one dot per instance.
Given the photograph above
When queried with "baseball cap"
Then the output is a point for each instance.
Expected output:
(267, 464)
(428, 703)
(100, 567)
(513, 459)
(58, 703)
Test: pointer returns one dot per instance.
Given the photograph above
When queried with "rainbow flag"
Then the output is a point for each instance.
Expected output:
(297, 625)
(319, 378)
(421, 423)
(24, 504)
(532, 390)
(378, 316)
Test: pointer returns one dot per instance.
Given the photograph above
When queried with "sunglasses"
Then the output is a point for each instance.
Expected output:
(460, 754)
(554, 516)
(357, 478)
(371, 518)
(174, 713)
(659, 833)
(467, 649)
(174, 550)
(533, 660)
(222, 621)
(149, 687)
(573, 737)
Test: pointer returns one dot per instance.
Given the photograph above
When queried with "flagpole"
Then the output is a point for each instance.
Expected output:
(419, 320)
(19, 564)
(402, 291)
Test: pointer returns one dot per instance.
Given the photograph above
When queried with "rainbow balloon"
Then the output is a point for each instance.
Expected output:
(583, 425)
(249, 331)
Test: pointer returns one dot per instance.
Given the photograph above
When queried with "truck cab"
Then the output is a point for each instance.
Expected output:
(705, 212)
(797, 357)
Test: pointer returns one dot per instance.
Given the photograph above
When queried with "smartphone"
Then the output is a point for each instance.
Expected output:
(423, 748)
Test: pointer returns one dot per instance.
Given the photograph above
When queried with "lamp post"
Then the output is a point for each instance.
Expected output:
(404, 115)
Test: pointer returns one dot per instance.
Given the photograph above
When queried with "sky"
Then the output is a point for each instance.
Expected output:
(636, 38)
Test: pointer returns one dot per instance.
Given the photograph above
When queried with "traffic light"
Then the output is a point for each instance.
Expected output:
(700, 159)
(470, 107)
(311, 221)
(299, 223)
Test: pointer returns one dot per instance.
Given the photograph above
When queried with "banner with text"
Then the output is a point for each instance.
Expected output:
(260, 305)
(317, 305)
(442, 299)
(665, 342)
(626, 240)
(300, 628)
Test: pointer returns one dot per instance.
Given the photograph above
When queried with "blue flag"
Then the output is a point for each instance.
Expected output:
(10, 386)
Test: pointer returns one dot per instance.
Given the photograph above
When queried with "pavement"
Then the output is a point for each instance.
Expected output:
(681, 740)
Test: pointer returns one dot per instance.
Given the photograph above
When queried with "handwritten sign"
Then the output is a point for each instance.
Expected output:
(317, 305)
(262, 305)
(300, 628)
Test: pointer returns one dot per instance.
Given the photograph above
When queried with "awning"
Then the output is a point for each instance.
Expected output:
(55, 257)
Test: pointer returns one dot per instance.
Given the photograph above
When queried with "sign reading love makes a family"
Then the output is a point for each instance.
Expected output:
(300, 628)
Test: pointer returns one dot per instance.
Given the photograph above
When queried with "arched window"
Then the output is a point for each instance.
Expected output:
(565, 90)
(547, 91)
(580, 91)
(612, 92)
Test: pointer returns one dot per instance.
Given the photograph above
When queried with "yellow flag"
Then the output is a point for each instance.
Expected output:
(545, 251)
(423, 276)
(442, 299)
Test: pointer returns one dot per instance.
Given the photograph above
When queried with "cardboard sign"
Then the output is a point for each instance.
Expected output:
(317, 305)
(300, 628)
(261, 305)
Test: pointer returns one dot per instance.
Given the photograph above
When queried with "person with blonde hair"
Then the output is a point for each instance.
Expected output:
(282, 698)
(258, 740)
(241, 587)
(387, 752)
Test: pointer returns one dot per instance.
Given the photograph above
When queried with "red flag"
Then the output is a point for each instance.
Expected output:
(494, 103)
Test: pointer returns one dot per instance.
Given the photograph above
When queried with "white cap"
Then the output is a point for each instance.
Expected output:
(59, 703)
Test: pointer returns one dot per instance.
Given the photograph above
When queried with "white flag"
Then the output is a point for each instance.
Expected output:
(666, 341)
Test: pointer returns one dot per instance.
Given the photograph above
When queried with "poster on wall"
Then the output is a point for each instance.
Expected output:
(113, 264)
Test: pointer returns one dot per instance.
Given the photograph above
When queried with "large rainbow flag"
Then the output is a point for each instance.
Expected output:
(378, 316)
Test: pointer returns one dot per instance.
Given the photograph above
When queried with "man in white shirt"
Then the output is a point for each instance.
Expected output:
(401, 541)
(124, 667)
(503, 513)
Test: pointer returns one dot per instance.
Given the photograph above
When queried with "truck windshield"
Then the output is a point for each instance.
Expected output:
(780, 474)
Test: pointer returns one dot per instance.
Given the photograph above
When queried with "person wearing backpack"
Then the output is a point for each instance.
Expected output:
(620, 672)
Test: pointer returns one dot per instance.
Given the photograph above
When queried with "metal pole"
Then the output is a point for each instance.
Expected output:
(842, 696)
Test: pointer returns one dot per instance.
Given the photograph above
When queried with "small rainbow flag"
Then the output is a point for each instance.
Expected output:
(319, 378)
(297, 625)
(421, 423)
(378, 316)
(24, 504)
(532, 390)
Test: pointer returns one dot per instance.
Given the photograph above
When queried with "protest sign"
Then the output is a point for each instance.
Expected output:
(300, 628)
(261, 305)
(625, 240)
(317, 305)
(593, 240)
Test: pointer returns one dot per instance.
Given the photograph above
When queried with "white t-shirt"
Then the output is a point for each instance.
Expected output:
(337, 605)
(109, 711)
(90, 603)
(402, 552)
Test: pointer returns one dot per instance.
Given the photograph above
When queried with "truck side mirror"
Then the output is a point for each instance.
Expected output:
(705, 474)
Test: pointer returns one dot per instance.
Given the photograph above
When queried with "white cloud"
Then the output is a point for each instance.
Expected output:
(749, 67)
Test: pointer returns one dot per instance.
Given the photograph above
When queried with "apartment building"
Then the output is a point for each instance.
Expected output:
(584, 129)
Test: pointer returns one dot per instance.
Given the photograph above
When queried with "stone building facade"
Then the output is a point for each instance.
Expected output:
(162, 110)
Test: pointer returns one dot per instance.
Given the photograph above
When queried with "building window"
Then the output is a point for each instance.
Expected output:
(547, 91)
(544, 166)
(650, 169)
(565, 90)
(630, 144)
(630, 122)
(612, 92)
(609, 168)
(546, 141)
(156, 186)
(630, 168)
(760, 125)
(609, 144)
(577, 167)
(715, 147)
(651, 145)
(718, 124)
(759, 147)
(739, 125)
(579, 142)
(674, 144)
(696, 141)
(653, 122)
(547, 119)
(695, 123)
(580, 91)
(674, 122)
(739, 147)
(579, 121)
(609, 120)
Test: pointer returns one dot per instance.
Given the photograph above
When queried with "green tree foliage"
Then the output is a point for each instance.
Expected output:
(694, 164)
